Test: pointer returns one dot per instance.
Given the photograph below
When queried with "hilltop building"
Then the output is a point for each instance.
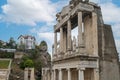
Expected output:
(26, 41)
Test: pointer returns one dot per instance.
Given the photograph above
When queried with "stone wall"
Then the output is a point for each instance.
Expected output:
(109, 63)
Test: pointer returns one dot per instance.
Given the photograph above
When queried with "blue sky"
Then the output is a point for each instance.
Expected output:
(37, 17)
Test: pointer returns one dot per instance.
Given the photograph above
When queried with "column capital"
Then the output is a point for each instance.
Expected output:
(68, 69)
(60, 74)
(79, 11)
(82, 69)
(53, 69)
(59, 69)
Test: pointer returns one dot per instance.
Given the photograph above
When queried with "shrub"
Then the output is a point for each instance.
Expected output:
(29, 63)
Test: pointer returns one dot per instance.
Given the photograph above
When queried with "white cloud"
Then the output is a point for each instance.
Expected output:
(44, 33)
(49, 38)
(29, 11)
(116, 30)
(110, 13)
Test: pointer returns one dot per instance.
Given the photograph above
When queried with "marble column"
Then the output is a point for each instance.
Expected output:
(60, 74)
(96, 74)
(64, 40)
(95, 33)
(55, 42)
(54, 74)
(53, 50)
(61, 39)
(69, 74)
(45, 75)
(69, 44)
(80, 36)
(81, 73)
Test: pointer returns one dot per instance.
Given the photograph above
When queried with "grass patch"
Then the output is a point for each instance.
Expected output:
(4, 64)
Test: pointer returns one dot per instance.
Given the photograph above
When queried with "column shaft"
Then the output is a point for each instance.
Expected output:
(95, 33)
(69, 74)
(60, 74)
(53, 50)
(54, 75)
(61, 39)
(80, 36)
(26, 74)
(46, 75)
(55, 43)
(96, 74)
(65, 40)
(69, 35)
(80, 74)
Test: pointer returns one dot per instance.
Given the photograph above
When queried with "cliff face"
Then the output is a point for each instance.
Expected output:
(45, 56)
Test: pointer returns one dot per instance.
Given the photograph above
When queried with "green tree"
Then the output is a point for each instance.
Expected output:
(12, 43)
(29, 63)
(26, 62)
(43, 43)
(1, 45)
(43, 46)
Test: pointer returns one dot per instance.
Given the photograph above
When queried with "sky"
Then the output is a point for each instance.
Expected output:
(37, 18)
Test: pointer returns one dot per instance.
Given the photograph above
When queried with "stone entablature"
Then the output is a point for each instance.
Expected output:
(67, 12)
(72, 55)
(76, 64)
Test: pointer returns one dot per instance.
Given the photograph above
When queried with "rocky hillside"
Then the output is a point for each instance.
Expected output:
(39, 56)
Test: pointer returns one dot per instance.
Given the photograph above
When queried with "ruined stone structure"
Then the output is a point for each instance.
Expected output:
(90, 56)
(5, 73)
(29, 74)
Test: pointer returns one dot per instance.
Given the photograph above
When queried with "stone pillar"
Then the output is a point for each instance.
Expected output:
(96, 74)
(80, 36)
(81, 73)
(74, 43)
(61, 39)
(45, 75)
(60, 74)
(55, 42)
(53, 50)
(64, 40)
(69, 44)
(69, 74)
(32, 74)
(42, 74)
(26, 74)
(95, 33)
(54, 75)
